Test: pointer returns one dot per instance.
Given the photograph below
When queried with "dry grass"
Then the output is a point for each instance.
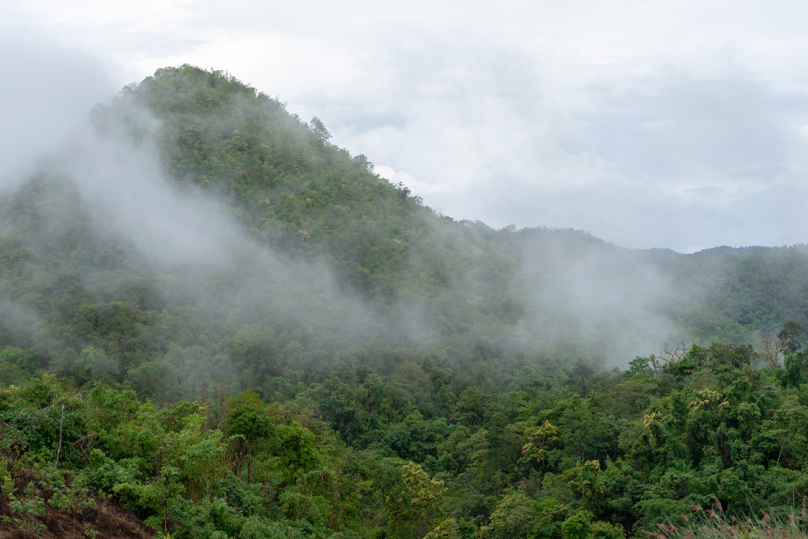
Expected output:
(713, 524)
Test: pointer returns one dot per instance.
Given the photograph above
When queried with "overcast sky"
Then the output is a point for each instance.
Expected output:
(679, 124)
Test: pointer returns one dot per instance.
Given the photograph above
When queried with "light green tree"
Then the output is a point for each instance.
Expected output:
(537, 446)
(513, 518)
(418, 503)
(447, 529)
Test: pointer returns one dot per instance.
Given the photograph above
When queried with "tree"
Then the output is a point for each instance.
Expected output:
(319, 130)
(537, 446)
(247, 422)
(605, 530)
(577, 526)
(783, 434)
(364, 162)
(770, 349)
(677, 352)
(640, 367)
(420, 502)
(796, 366)
(736, 355)
(94, 363)
(513, 518)
(789, 338)
(297, 448)
(447, 529)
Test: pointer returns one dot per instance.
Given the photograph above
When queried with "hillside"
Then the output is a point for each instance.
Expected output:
(254, 335)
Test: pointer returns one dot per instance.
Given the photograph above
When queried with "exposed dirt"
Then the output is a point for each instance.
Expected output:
(100, 521)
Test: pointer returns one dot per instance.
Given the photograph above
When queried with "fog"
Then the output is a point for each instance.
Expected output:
(124, 186)
(614, 299)
(539, 296)
(45, 94)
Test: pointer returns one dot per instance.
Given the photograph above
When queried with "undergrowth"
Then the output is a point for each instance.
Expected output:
(714, 524)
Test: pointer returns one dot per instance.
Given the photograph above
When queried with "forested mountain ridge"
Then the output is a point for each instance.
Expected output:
(728, 295)
(327, 357)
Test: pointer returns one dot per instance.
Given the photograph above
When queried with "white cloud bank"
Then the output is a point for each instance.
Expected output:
(670, 123)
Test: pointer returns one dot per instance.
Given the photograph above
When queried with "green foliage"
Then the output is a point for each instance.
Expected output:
(604, 530)
(357, 365)
(513, 518)
(539, 440)
(577, 526)
(789, 337)
(419, 501)
(548, 464)
(447, 529)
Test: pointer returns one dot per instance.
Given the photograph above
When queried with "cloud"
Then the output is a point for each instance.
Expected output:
(46, 92)
(641, 123)
(677, 160)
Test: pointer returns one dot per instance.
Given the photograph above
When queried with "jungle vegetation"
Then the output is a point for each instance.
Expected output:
(293, 346)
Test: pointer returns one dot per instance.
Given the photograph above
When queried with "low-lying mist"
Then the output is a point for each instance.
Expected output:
(612, 298)
(137, 277)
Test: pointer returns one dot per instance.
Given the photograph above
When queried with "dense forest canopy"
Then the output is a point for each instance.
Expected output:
(214, 318)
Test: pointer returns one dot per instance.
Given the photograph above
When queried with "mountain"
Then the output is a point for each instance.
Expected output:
(200, 274)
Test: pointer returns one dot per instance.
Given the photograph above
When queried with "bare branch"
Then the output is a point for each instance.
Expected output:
(771, 349)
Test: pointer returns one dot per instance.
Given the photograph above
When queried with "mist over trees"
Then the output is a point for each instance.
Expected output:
(218, 320)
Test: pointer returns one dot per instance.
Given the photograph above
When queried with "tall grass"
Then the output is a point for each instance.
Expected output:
(712, 524)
